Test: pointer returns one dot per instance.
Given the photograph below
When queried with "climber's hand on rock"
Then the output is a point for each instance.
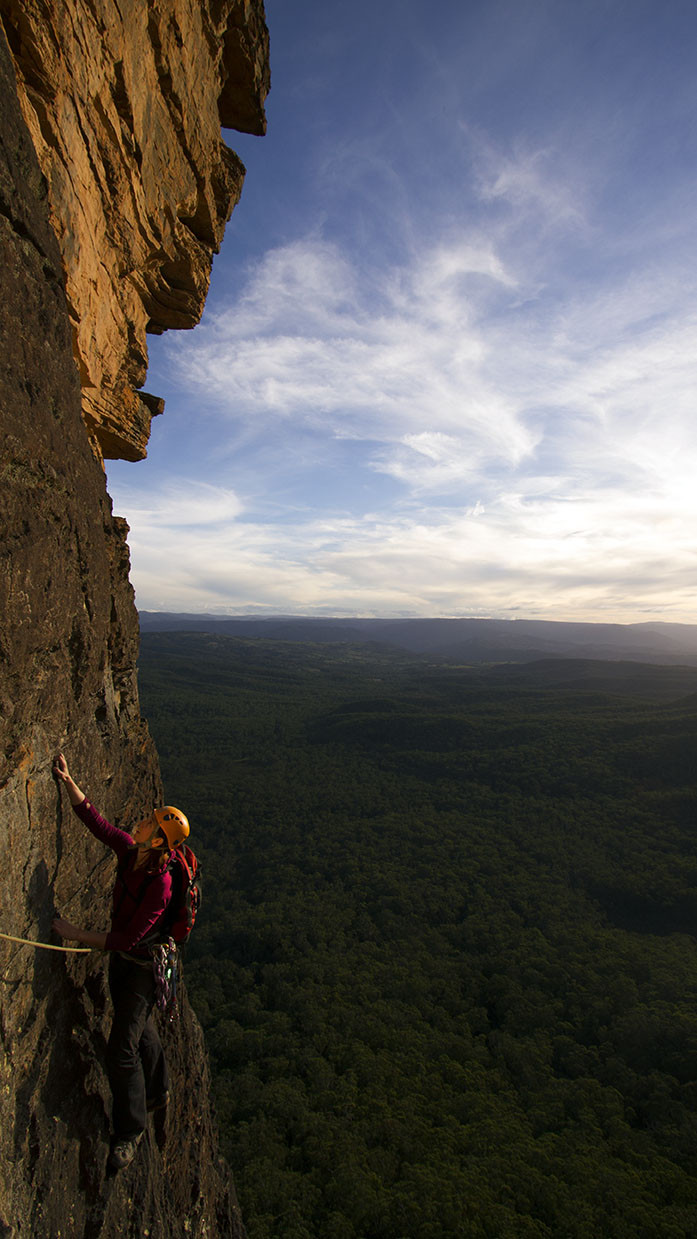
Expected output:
(64, 929)
(60, 768)
(62, 775)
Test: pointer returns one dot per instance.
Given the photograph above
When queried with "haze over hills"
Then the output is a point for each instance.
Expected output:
(466, 640)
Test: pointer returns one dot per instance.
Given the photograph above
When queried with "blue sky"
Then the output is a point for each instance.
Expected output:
(447, 363)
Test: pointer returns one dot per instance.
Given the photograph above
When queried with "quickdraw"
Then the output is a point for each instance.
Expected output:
(165, 963)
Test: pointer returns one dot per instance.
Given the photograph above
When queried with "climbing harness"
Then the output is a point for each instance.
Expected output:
(45, 946)
(165, 965)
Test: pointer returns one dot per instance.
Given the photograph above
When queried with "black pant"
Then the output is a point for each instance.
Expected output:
(135, 1058)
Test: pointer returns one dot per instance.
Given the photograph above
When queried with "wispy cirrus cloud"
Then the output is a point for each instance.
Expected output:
(445, 376)
(529, 181)
(310, 340)
(183, 503)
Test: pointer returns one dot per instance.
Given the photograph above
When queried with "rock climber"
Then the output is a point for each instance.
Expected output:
(136, 1062)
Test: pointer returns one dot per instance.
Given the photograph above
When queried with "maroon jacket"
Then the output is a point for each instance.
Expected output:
(140, 898)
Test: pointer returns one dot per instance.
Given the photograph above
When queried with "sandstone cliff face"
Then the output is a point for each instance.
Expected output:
(124, 102)
(68, 625)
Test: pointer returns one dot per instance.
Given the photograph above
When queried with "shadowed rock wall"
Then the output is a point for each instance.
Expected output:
(68, 625)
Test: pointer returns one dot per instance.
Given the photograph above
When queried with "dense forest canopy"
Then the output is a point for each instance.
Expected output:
(446, 962)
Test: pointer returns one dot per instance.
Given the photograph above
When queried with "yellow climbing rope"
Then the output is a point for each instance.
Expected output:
(45, 946)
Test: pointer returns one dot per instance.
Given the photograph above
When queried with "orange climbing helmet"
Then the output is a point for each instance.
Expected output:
(173, 824)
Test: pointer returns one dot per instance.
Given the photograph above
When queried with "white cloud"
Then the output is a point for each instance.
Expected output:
(408, 353)
(549, 554)
(529, 181)
(179, 503)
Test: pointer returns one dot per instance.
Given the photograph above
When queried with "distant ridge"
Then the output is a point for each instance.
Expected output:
(463, 640)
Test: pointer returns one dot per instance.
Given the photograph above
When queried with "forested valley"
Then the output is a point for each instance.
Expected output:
(446, 961)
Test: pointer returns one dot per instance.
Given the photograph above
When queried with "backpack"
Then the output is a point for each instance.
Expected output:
(182, 910)
(179, 916)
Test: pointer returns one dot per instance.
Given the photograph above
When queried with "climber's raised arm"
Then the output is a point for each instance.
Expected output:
(120, 841)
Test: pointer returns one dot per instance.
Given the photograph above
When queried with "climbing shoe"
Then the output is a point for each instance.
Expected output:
(123, 1151)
